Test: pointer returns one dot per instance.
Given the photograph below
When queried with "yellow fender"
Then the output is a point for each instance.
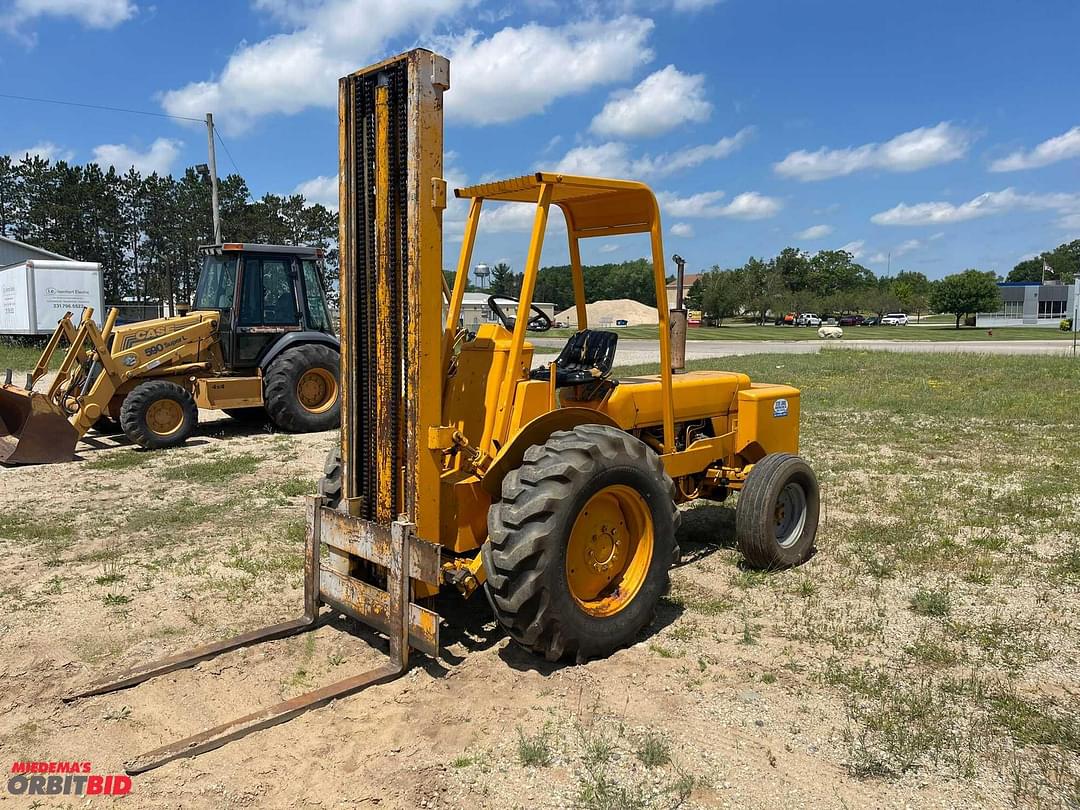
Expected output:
(537, 432)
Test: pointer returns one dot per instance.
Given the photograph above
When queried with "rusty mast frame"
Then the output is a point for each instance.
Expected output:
(392, 197)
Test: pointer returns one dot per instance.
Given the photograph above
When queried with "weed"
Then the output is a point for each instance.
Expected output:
(121, 713)
(213, 471)
(115, 599)
(118, 460)
(931, 602)
(54, 587)
(653, 750)
(535, 750)
(931, 651)
(664, 652)
(768, 677)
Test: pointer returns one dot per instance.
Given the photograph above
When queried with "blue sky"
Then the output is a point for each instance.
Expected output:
(946, 134)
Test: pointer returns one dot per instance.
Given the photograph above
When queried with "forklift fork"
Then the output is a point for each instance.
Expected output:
(392, 612)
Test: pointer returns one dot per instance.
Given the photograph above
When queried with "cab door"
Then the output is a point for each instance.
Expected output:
(268, 305)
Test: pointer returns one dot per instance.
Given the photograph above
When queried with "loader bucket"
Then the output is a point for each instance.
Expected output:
(32, 429)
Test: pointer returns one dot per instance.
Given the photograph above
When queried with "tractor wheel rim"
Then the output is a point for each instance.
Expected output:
(610, 550)
(790, 514)
(165, 417)
(317, 390)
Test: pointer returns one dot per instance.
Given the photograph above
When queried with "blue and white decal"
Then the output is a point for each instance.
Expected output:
(779, 408)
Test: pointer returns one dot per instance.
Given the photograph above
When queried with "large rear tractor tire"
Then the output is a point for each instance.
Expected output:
(302, 393)
(159, 414)
(580, 543)
(776, 517)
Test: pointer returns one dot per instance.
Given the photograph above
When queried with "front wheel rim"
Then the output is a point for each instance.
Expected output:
(165, 417)
(790, 514)
(610, 550)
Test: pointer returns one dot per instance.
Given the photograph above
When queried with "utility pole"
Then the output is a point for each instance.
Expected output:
(213, 177)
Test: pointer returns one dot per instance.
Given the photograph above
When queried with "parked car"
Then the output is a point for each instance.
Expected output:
(873, 320)
(895, 319)
(622, 322)
(851, 320)
(808, 319)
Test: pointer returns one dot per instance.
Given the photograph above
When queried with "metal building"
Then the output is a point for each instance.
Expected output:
(12, 251)
(1033, 303)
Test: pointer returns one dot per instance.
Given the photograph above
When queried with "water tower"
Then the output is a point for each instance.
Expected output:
(482, 271)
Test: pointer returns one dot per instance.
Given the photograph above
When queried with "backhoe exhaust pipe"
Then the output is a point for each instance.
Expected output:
(677, 319)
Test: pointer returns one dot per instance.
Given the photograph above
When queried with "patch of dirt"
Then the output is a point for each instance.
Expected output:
(743, 675)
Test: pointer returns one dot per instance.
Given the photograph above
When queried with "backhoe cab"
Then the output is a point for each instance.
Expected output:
(258, 344)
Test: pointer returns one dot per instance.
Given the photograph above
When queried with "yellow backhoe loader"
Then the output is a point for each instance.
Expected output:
(258, 344)
(464, 464)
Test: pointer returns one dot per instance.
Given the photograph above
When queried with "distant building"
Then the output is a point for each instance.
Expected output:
(475, 309)
(1031, 303)
(12, 251)
(688, 282)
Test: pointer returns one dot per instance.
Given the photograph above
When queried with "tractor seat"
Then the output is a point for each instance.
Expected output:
(586, 358)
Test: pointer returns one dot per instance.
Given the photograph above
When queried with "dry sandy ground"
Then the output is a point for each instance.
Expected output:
(103, 568)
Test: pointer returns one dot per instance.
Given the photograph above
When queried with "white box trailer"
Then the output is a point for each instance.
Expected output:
(35, 294)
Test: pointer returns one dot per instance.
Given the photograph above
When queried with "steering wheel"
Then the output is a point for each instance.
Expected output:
(540, 322)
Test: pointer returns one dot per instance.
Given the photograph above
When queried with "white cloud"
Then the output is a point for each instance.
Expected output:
(46, 150)
(613, 158)
(322, 189)
(91, 13)
(684, 229)
(856, 248)
(882, 256)
(988, 204)
(1070, 222)
(815, 232)
(518, 72)
(908, 152)
(610, 159)
(158, 158)
(609, 247)
(289, 72)
(749, 205)
(693, 5)
(662, 101)
(1049, 151)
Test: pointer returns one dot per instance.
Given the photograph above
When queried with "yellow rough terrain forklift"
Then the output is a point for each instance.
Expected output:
(259, 344)
(463, 464)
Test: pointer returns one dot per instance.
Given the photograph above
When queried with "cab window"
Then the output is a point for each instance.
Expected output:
(317, 316)
(267, 298)
(217, 284)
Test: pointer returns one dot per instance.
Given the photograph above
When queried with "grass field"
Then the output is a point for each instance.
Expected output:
(928, 655)
(937, 332)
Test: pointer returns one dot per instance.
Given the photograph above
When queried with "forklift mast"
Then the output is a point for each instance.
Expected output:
(392, 196)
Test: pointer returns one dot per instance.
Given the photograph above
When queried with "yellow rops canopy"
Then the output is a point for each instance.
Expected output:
(594, 206)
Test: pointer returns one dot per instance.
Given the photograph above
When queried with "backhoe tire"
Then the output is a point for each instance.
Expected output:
(301, 389)
(248, 416)
(159, 414)
(580, 544)
(776, 516)
(330, 485)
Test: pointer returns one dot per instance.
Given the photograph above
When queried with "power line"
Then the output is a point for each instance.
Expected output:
(100, 107)
(227, 152)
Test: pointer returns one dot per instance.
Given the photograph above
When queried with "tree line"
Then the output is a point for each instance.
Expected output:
(146, 230)
(827, 282)
(603, 282)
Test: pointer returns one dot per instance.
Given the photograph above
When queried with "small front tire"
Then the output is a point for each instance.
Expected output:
(776, 518)
(159, 414)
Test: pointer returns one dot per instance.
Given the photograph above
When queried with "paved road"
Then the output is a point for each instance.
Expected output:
(646, 351)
